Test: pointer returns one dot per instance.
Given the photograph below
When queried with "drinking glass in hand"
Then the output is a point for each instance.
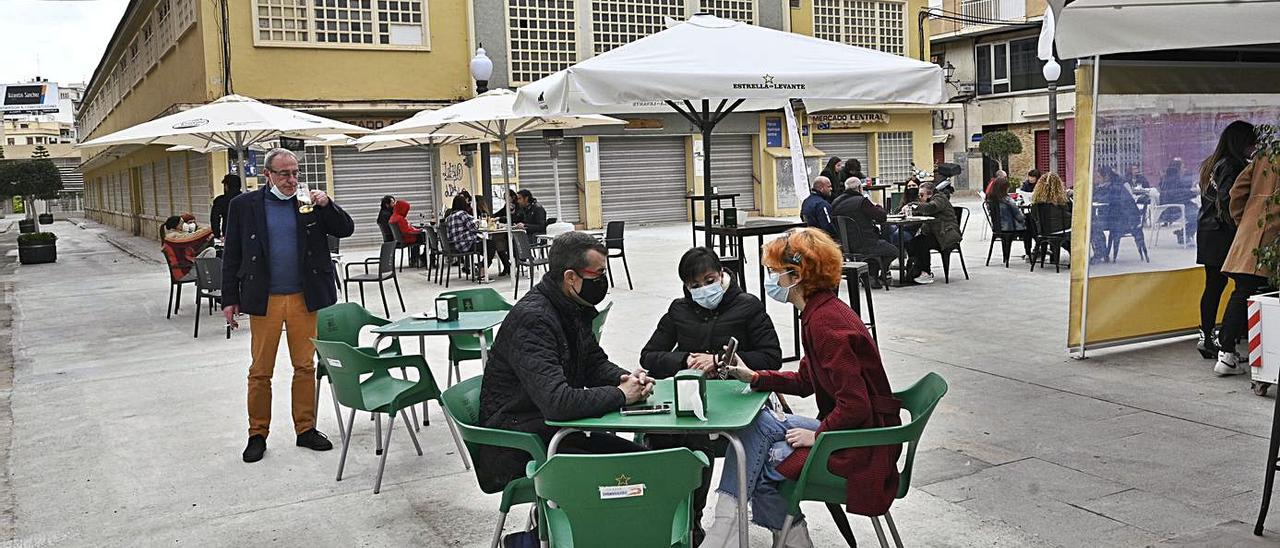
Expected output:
(304, 198)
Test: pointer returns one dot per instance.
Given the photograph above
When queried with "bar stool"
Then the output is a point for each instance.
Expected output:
(859, 273)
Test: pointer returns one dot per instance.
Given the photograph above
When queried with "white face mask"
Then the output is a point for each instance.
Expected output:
(189, 227)
(281, 195)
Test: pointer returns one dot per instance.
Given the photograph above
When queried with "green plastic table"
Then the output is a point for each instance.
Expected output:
(729, 409)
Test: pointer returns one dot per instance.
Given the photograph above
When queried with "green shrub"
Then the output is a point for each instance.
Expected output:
(37, 238)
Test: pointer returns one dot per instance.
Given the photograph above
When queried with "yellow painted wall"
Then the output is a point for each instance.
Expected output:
(150, 219)
(351, 74)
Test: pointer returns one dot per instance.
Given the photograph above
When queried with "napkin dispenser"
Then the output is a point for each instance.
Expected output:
(729, 217)
(691, 394)
(447, 308)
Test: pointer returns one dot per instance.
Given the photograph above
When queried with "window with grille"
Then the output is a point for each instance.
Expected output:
(369, 23)
(310, 167)
(738, 10)
(1118, 146)
(620, 22)
(864, 23)
(893, 155)
(543, 38)
(162, 10)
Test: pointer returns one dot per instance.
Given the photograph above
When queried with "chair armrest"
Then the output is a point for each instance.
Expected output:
(524, 441)
(830, 442)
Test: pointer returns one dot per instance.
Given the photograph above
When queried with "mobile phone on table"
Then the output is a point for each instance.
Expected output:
(647, 409)
(730, 357)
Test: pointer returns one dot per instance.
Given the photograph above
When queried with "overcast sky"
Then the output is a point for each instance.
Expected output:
(61, 40)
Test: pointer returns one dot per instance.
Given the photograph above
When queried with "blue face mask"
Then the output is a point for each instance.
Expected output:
(775, 291)
(276, 191)
(708, 296)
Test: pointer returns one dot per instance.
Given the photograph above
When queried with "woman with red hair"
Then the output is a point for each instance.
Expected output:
(842, 368)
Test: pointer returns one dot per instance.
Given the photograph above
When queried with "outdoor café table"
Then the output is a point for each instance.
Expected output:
(729, 409)
(904, 222)
(713, 198)
(760, 228)
(467, 323)
(882, 188)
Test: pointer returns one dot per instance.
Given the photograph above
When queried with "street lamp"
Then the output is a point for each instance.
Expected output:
(554, 138)
(1052, 71)
(481, 69)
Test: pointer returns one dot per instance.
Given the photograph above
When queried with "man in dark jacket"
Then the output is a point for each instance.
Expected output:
(529, 214)
(694, 330)
(547, 365)
(276, 268)
(863, 238)
(816, 209)
(218, 213)
(943, 232)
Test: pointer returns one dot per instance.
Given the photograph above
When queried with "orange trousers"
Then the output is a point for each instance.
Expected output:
(288, 312)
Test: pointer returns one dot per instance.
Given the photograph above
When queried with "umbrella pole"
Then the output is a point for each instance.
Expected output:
(707, 126)
(506, 182)
(475, 213)
(555, 178)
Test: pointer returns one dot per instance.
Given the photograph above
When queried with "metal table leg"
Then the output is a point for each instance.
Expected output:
(740, 452)
(1272, 452)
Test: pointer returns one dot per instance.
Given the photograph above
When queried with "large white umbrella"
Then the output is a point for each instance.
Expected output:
(707, 67)
(492, 116)
(233, 121)
(1086, 28)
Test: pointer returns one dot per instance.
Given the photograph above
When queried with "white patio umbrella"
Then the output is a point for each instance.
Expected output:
(708, 67)
(233, 121)
(491, 116)
(1086, 28)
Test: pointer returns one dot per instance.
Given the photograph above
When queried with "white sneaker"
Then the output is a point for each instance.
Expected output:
(1228, 364)
(924, 278)
(723, 532)
(797, 537)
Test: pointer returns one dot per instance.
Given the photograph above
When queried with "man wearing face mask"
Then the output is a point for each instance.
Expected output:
(695, 328)
(546, 364)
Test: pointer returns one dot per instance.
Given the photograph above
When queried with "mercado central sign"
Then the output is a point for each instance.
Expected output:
(844, 120)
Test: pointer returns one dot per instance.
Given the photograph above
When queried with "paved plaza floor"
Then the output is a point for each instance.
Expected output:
(126, 431)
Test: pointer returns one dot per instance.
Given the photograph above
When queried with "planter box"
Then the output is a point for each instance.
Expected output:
(1264, 341)
(37, 254)
(26, 226)
(46, 218)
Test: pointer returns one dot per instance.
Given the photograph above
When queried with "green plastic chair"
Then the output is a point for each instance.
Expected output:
(817, 483)
(364, 383)
(569, 487)
(462, 405)
(597, 325)
(467, 347)
(342, 322)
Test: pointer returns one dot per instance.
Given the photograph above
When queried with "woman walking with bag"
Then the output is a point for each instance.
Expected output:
(1217, 229)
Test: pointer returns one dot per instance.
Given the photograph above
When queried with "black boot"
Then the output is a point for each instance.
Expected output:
(1208, 346)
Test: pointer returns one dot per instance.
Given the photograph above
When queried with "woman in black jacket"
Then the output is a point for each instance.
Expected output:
(694, 329)
(1216, 229)
(384, 217)
(832, 171)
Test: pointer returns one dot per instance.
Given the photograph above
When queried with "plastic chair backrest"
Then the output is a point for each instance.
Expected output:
(480, 299)
(521, 241)
(387, 259)
(895, 201)
(346, 366)
(397, 235)
(342, 322)
(962, 217)
(575, 482)
(208, 273)
(442, 235)
(462, 402)
(613, 234)
(1050, 218)
(433, 239)
(597, 324)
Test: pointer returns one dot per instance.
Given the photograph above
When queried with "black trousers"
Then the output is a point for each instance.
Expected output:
(1215, 282)
(694, 442)
(1235, 319)
(599, 443)
(919, 248)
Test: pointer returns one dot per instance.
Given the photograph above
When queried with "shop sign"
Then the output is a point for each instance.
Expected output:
(847, 120)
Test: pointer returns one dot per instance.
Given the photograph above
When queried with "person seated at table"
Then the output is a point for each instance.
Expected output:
(183, 239)
(832, 169)
(1177, 189)
(864, 238)
(1116, 212)
(385, 209)
(1007, 213)
(1029, 184)
(695, 328)
(1000, 173)
(943, 232)
(1053, 194)
(1134, 177)
(529, 215)
(464, 234)
(842, 368)
(411, 236)
(816, 209)
(546, 364)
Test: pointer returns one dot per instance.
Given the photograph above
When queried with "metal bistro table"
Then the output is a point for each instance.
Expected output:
(902, 222)
(761, 228)
(715, 199)
(729, 409)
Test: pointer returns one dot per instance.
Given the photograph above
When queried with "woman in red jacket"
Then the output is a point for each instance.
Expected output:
(399, 218)
(842, 369)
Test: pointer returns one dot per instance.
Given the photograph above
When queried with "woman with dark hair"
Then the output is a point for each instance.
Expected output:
(832, 171)
(1218, 173)
(842, 367)
(183, 239)
(385, 210)
(852, 168)
(1011, 217)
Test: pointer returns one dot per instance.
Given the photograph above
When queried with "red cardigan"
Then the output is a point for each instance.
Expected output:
(842, 368)
(400, 212)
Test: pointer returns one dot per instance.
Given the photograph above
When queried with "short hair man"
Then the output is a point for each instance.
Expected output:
(547, 365)
(530, 215)
(816, 209)
(276, 268)
(860, 235)
(218, 212)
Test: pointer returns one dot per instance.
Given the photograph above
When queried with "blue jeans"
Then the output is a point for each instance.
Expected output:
(895, 233)
(765, 445)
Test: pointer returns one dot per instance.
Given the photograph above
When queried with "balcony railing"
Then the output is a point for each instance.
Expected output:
(979, 9)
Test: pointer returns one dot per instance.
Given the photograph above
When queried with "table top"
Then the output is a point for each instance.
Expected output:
(701, 197)
(467, 322)
(727, 409)
(900, 220)
(758, 227)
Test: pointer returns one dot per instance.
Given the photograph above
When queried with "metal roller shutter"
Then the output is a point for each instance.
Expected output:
(180, 166)
(201, 201)
(844, 145)
(642, 179)
(361, 179)
(149, 190)
(534, 165)
(731, 168)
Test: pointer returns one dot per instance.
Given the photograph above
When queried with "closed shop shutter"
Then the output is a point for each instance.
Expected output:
(164, 168)
(149, 189)
(1042, 152)
(642, 179)
(731, 168)
(179, 166)
(198, 170)
(534, 165)
(844, 145)
(361, 179)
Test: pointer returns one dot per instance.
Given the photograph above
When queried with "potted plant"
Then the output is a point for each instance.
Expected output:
(1000, 145)
(1266, 307)
(37, 247)
(37, 180)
